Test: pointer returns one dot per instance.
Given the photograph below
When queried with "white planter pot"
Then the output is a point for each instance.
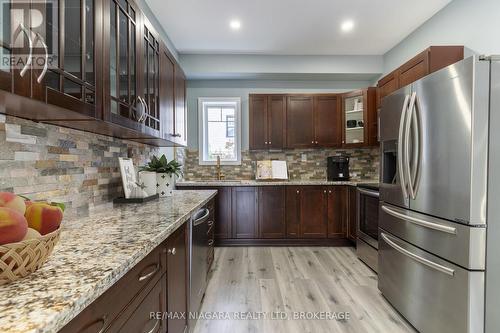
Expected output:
(164, 184)
(148, 178)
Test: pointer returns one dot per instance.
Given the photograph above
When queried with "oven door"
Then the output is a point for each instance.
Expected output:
(368, 208)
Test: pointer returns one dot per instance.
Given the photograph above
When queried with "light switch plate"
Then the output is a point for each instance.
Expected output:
(303, 157)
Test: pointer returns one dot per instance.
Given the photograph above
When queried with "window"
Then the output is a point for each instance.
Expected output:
(219, 130)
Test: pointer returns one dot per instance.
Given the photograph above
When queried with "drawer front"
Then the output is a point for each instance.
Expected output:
(458, 243)
(367, 254)
(434, 295)
(101, 313)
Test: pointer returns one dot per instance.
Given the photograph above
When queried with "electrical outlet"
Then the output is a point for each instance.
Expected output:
(303, 157)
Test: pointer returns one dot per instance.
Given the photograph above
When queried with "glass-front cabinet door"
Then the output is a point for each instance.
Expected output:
(151, 79)
(48, 51)
(121, 64)
(354, 115)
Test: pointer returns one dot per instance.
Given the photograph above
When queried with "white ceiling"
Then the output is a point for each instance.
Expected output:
(292, 27)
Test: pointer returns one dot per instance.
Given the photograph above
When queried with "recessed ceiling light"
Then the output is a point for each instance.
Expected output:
(235, 24)
(347, 25)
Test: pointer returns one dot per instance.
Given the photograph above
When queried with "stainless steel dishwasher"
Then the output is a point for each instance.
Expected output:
(199, 254)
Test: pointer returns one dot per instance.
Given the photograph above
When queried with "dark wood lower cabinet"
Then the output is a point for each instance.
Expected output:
(271, 202)
(177, 280)
(292, 206)
(313, 212)
(157, 284)
(284, 215)
(244, 212)
(337, 211)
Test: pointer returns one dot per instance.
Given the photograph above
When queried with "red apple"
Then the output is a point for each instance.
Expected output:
(44, 217)
(13, 226)
(10, 200)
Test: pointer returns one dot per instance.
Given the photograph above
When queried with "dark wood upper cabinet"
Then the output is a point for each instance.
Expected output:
(313, 212)
(244, 212)
(177, 279)
(337, 211)
(267, 121)
(360, 120)
(271, 205)
(180, 115)
(122, 64)
(426, 62)
(167, 99)
(65, 46)
(327, 121)
(300, 122)
(276, 128)
(258, 121)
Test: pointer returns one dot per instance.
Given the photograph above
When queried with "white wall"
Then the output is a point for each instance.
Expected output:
(472, 23)
(242, 88)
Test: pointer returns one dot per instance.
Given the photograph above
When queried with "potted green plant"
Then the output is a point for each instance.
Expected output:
(164, 172)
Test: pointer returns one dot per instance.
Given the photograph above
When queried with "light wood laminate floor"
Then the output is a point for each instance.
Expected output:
(326, 281)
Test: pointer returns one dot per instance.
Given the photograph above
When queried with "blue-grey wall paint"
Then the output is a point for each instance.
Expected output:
(472, 23)
(242, 88)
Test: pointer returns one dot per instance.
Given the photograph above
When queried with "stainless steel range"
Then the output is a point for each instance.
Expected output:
(438, 136)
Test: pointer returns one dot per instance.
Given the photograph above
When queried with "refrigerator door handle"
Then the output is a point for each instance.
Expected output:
(426, 262)
(402, 178)
(417, 147)
(408, 170)
(420, 222)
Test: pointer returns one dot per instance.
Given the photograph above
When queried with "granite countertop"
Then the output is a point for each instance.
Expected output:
(268, 183)
(92, 254)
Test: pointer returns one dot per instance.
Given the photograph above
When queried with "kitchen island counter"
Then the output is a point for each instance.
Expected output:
(92, 254)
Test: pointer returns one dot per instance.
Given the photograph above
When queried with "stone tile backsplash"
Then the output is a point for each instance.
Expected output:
(364, 164)
(80, 169)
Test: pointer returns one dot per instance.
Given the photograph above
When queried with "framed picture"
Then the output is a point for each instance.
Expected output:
(129, 176)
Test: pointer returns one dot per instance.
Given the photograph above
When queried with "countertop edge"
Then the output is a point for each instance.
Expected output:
(202, 183)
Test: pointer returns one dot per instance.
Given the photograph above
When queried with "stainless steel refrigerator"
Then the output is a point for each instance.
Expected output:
(435, 212)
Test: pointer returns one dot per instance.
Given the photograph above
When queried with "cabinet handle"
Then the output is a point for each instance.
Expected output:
(330, 192)
(298, 191)
(269, 142)
(46, 65)
(154, 327)
(312, 142)
(23, 29)
(175, 135)
(150, 274)
(210, 242)
(172, 251)
(265, 142)
(102, 320)
(324, 191)
(316, 142)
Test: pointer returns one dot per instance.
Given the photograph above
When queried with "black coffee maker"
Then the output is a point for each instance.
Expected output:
(338, 168)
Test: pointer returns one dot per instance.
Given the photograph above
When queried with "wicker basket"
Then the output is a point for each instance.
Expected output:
(18, 260)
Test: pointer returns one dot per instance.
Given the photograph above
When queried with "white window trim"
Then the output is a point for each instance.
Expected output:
(202, 134)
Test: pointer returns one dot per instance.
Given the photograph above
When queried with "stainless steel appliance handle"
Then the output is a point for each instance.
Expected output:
(369, 193)
(27, 33)
(202, 219)
(426, 262)
(46, 64)
(400, 146)
(420, 222)
(406, 148)
(417, 147)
